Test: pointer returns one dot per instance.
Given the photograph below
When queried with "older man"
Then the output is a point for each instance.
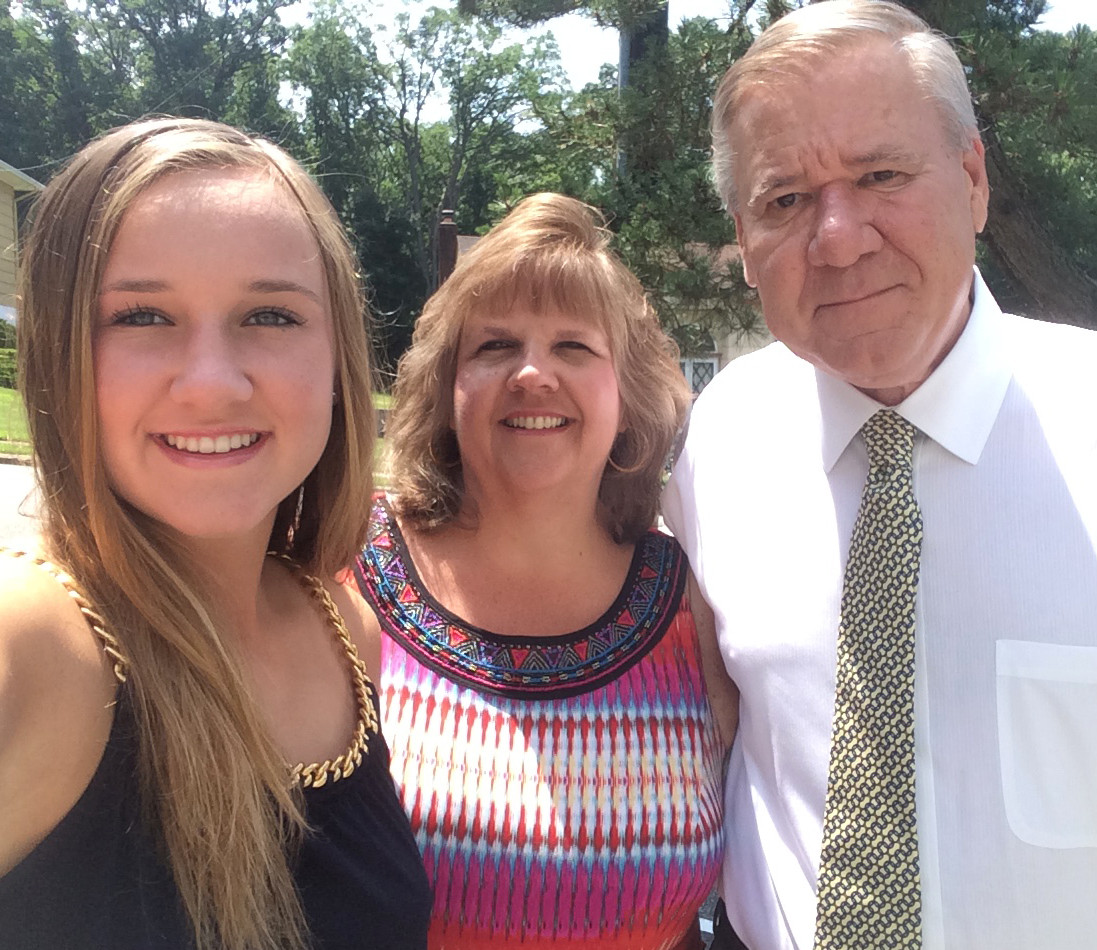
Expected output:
(893, 512)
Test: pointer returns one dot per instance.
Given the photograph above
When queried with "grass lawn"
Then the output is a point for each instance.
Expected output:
(13, 424)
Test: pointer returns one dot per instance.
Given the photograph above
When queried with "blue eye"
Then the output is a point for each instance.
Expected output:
(272, 317)
(138, 317)
(786, 201)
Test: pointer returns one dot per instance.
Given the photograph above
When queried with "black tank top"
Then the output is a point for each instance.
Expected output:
(96, 882)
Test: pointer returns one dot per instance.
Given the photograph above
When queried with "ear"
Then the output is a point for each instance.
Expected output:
(744, 250)
(975, 167)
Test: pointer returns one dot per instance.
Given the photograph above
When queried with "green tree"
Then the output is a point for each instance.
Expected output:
(338, 85)
(638, 145)
(183, 56)
(371, 99)
(1034, 97)
(670, 228)
(76, 71)
(43, 112)
(490, 90)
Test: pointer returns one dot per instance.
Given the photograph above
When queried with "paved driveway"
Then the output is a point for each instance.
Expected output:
(17, 505)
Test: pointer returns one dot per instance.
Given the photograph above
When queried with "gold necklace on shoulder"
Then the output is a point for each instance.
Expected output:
(111, 647)
(315, 775)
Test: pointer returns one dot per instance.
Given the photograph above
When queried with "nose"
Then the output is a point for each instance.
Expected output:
(843, 231)
(211, 371)
(533, 371)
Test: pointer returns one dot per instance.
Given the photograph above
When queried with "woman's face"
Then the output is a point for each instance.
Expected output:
(214, 353)
(536, 406)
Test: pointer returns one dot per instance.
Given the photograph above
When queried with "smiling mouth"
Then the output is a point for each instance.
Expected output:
(211, 445)
(852, 300)
(535, 422)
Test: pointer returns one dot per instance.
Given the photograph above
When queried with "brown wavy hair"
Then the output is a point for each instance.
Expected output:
(214, 787)
(550, 252)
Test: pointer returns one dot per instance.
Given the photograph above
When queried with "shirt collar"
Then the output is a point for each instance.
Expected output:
(956, 406)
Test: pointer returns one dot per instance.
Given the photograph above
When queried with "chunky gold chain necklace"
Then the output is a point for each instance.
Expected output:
(315, 775)
(319, 774)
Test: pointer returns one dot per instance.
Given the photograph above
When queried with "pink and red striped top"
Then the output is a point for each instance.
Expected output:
(565, 791)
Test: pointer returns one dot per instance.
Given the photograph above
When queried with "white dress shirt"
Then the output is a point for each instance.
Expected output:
(764, 498)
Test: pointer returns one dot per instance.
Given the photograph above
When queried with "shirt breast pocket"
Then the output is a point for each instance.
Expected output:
(1047, 740)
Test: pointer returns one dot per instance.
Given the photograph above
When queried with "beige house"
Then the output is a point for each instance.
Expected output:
(700, 366)
(13, 185)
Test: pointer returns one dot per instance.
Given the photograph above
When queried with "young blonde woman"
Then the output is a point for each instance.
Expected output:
(189, 754)
(543, 669)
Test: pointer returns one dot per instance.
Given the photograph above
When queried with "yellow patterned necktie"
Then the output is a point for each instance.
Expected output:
(869, 889)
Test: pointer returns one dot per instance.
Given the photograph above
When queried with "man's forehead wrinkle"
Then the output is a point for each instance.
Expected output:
(779, 174)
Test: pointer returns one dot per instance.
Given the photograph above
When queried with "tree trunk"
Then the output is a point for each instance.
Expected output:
(642, 50)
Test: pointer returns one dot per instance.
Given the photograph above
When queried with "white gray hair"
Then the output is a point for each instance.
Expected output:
(797, 42)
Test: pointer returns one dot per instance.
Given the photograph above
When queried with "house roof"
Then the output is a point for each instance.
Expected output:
(17, 180)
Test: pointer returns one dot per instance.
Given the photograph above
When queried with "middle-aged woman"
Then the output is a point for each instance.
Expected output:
(542, 680)
(196, 374)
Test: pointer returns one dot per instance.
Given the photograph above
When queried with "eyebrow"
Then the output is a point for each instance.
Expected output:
(492, 330)
(283, 287)
(884, 154)
(135, 287)
(266, 286)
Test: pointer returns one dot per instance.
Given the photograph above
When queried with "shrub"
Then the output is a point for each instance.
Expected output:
(7, 368)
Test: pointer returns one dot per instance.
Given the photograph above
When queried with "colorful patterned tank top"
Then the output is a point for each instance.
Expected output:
(565, 791)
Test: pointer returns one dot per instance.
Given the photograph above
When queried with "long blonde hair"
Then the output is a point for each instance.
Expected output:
(214, 787)
(551, 251)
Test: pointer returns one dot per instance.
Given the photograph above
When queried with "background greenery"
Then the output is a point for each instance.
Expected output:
(351, 97)
(13, 424)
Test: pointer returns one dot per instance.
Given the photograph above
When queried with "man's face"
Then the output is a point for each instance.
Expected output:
(857, 218)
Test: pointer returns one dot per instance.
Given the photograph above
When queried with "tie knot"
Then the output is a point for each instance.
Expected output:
(889, 439)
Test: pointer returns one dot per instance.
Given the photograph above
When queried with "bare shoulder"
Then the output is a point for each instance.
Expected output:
(723, 694)
(362, 624)
(46, 646)
(55, 695)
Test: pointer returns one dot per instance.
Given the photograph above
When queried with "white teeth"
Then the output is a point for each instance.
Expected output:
(536, 422)
(208, 445)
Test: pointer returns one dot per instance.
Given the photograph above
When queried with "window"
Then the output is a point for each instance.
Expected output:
(698, 372)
